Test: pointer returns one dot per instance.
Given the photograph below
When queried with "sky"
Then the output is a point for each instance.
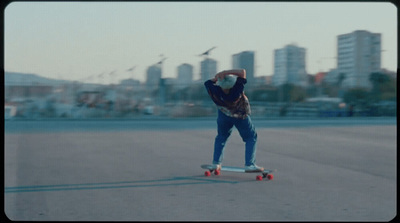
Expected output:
(100, 41)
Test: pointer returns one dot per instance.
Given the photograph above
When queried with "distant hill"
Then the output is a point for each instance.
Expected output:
(14, 78)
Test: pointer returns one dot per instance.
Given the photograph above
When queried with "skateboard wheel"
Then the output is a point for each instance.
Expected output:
(207, 173)
(270, 176)
(217, 172)
(259, 178)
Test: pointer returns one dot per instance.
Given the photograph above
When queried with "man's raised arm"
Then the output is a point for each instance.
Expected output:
(238, 72)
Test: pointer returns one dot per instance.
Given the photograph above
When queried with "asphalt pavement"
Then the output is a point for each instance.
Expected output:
(100, 171)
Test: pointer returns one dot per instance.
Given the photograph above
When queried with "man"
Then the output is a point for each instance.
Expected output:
(226, 91)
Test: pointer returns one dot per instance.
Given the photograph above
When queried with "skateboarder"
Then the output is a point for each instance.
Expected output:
(226, 91)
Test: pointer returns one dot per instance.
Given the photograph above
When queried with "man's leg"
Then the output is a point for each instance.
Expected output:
(249, 135)
(224, 131)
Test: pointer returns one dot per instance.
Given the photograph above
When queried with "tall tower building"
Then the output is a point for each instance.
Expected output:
(208, 69)
(358, 55)
(290, 66)
(153, 77)
(245, 60)
(185, 75)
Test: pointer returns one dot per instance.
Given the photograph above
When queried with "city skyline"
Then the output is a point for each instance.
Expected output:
(74, 41)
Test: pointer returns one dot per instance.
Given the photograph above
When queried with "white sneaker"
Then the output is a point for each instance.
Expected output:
(216, 166)
(253, 168)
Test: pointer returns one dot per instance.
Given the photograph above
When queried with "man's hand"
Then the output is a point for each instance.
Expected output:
(220, 76)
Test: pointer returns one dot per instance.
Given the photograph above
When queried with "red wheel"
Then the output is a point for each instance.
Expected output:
(270, 176)
(259, 178)
(207, 173)
(217, 172)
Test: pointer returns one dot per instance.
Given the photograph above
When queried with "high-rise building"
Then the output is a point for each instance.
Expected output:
(185, 75)
(208, 69)
(153, 77)
(245, 60)
(290, 66)
(358, 55)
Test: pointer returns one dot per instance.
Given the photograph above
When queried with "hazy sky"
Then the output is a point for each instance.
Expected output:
(75, 40)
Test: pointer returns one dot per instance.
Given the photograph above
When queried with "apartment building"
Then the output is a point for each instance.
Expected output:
(208, 69)
(245, 60)
(290, 66)
(185, 75)
(358, 55)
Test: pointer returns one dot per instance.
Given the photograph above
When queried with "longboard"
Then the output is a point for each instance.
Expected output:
(265, 174)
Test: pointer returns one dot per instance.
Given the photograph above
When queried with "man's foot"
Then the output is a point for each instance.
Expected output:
(253, 168)
(216, 166)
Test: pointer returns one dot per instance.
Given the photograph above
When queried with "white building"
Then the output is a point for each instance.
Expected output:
(153, 77)
(290, 66)
(185, 75)
(358, 55)
(208, 69)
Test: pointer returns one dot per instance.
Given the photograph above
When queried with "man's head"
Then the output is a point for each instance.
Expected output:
(228, 82)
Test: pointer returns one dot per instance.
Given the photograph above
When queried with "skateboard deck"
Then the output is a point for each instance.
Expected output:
(265, 174)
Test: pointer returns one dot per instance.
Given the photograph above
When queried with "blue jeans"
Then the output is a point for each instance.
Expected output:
(247, 132)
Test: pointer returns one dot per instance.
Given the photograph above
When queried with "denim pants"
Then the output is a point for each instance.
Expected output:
(247, 132)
